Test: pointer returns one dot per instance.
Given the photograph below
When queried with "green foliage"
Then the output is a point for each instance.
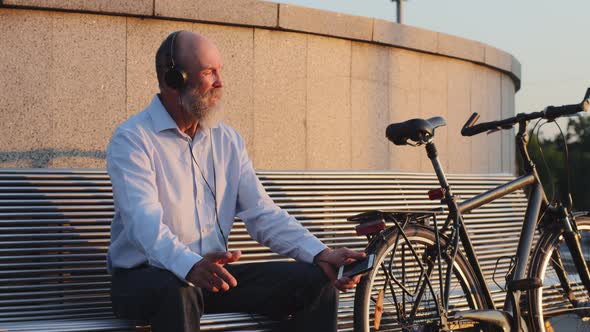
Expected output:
(553, 171)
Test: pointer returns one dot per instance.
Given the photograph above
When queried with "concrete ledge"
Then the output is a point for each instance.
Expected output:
(242, 12)
(516, 70)
(130, 7)
(270, 15)
(443, 44)
(497, 58)
(325, 23)
(404, 36)
(460, 48)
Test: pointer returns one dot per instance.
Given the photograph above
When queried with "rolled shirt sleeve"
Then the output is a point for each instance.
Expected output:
(267, 223)
(136, 200)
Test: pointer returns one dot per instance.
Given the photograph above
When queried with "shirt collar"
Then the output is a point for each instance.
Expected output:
(161, 119)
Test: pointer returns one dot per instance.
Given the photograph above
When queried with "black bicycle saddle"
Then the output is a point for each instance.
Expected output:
(417, 130)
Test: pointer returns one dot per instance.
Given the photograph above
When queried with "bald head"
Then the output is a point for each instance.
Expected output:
(188, 50)
(194, 49)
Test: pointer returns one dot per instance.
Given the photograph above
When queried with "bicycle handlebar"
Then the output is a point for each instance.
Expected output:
(550, 113)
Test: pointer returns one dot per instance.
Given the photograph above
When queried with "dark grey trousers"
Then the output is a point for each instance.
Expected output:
(280, 290)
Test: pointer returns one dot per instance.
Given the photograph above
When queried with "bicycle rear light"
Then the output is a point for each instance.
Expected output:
(436, 194)
(371, 227)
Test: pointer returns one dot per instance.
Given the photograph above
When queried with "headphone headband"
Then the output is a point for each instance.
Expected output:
(172, 62)
(175, 77)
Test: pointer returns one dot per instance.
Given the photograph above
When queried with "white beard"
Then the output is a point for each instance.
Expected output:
(207, 116)
(213, 116)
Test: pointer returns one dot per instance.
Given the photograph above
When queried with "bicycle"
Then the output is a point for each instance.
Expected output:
(423, 282)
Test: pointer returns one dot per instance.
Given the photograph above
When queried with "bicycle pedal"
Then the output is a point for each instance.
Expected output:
(524, 284)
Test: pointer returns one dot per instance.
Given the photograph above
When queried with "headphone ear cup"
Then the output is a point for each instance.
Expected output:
(175, 78)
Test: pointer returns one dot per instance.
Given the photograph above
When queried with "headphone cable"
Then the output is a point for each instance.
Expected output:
(208, 186)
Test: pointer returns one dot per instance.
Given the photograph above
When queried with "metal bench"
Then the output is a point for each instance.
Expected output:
(54, 234)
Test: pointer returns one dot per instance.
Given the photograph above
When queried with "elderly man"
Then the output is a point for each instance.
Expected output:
(179, 178)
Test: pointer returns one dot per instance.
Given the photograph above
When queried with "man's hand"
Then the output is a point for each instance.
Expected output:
(210, 274)
(330, 260)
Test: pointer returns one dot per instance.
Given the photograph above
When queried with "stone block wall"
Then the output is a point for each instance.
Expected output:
(308, 89)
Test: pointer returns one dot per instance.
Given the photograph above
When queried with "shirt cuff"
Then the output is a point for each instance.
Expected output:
(309, 249)
(181, 266)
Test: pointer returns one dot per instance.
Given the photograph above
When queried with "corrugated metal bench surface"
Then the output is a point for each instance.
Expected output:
(54, 234)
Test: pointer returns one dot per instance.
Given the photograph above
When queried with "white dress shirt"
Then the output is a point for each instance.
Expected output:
(164, 210)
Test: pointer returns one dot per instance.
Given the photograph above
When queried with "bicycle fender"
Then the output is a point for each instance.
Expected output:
(377, 240)
(581, 213)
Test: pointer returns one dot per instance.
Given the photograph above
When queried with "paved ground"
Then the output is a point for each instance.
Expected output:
(568, 323)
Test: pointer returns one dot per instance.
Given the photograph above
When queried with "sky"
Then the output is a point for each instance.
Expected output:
(549, 38)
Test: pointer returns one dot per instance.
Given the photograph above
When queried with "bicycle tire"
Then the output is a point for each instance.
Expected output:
(465, 292)
(549, 307)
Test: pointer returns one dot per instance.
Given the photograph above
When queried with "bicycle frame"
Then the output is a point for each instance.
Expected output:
(537, 202)
(536, 199)
(528, 228)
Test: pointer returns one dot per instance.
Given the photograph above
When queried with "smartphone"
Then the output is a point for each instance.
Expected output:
(358, 267)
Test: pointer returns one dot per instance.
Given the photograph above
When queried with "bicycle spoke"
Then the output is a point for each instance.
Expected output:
(418, 301)
(387, 272)
(405, 274)
(563, 302)
(557, 264)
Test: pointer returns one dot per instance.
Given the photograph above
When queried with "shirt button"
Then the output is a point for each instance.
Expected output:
(199, 201)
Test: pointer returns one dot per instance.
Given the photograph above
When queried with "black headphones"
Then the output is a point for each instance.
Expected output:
(175, 77)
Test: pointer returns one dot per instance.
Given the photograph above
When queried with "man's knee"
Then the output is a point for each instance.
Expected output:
(317, 302)
(180, 309)
(314, 283)
(146, 292)
(185, 298)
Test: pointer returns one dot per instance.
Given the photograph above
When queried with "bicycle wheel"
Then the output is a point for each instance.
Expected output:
(550, 306)
(395, 260)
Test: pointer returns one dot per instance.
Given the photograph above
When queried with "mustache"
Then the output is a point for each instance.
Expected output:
(217, 93)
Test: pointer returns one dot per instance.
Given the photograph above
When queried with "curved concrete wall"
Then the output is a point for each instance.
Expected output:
(307, 89)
